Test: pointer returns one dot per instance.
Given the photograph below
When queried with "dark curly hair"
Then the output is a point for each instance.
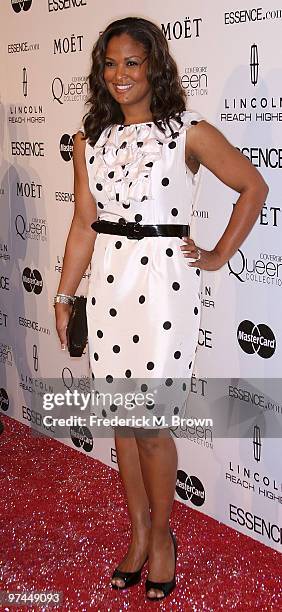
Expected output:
(168, 97)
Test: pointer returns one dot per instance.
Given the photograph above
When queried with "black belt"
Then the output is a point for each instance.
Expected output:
(133, 229)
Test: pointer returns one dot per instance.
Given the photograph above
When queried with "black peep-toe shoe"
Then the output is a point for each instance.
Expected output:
(165, 587)
(130, 578)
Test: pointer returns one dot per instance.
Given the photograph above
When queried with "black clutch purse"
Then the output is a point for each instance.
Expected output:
(77, 332)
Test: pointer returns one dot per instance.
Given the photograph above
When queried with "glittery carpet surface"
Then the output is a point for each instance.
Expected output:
(64, 527)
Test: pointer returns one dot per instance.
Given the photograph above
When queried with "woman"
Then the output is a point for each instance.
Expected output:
(138, 161)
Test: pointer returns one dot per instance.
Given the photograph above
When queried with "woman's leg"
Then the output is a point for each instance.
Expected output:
(158, 460)
(137, 501)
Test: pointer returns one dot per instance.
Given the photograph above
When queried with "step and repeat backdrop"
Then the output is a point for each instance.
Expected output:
(228, 55)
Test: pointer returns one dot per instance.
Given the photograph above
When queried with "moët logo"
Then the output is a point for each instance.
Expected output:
(258, 339)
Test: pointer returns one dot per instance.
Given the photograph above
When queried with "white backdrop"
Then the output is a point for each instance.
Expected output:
(229, 64)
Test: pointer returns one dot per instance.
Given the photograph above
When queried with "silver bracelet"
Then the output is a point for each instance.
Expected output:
(62, 298)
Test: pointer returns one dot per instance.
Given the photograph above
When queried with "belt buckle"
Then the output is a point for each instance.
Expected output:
(134, 228)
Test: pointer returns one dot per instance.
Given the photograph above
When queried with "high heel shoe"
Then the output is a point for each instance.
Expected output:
(130, 578)
(166, 587)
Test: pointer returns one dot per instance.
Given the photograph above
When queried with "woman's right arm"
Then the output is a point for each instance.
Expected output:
(81, 237)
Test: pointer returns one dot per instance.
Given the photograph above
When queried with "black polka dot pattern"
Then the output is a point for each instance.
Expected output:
(144, 260)
(176, 286)
(167, 325)
(150, 406)
(144, 302)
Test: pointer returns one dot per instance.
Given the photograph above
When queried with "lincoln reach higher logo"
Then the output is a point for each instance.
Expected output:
(254, 64)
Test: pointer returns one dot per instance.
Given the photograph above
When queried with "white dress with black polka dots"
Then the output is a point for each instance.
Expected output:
(143, 302)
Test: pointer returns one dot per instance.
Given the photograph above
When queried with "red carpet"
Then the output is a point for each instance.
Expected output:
(64, 528)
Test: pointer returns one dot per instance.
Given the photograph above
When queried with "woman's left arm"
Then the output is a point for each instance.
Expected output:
(207, 145)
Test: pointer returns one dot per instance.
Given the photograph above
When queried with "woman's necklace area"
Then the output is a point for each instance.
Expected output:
(137, 123)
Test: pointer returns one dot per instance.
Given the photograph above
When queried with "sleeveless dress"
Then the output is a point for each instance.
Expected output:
(143, 301)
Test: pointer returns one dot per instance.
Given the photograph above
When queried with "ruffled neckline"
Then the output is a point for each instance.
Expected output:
(124, 155)
(175, 129)
(130, 124)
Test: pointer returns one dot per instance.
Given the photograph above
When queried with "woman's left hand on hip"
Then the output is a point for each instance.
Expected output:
(205, 260)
